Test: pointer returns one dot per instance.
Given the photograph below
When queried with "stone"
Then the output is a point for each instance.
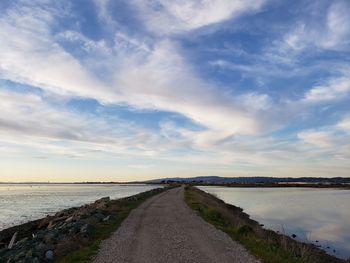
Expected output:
(50, 225)
(19, 255)
(40, 234)
(12, 241)
(87, 229)
(29, 253)
(101, 203)
(41, 249)
(70, 219)
(3, 251)
(23, 240)
(106, 218)
(28, 260)
(99, 216)
(49, 237)
(49, 255)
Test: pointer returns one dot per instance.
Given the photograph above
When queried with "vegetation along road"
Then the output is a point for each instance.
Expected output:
(165, 229)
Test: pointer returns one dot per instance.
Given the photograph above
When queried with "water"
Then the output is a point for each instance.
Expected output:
(20, 203)
(310, 213)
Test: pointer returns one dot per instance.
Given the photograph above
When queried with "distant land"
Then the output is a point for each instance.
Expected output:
(218, 180)
(253, 180)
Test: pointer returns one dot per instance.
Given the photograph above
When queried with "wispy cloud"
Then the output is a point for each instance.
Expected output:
(168, 17)
(252, 103)
(330, 32)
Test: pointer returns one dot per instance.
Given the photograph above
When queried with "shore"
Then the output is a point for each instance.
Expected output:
(71, 235)
(161, 221)
(266, 245)
(276, 185)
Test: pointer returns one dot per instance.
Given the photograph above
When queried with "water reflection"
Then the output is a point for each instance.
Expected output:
(20, 203)
(319, 216)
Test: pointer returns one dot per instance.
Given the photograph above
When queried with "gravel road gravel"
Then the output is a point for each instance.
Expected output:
(164, 229)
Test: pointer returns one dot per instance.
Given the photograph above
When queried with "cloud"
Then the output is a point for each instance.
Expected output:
(163, 80)
(338, 25)
(334, 89)
(328, 142)
(31, 56)
(344, 124)
(225, 127)
(168, 17)
(256, 101)
(157, 78)
(27, 119)
(332, 33)
(317, 138)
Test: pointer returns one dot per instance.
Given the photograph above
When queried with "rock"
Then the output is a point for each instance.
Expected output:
(28, 260)
(50, 225)
(294, 236)
(29, 253)
(70, 219)
(101, 203)
(49, 255)
(19, 255)
(3, 251)
(99, 216)
(12, 241)
(49, 237)
(22, 241)
(73, 230)
(41, 249)
(87, 230)
(40, 234)
(62, 225)
(44, 222)
(106, 218)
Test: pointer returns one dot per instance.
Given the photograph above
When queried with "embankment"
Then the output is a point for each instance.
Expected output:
(71, 235)
(266, 245)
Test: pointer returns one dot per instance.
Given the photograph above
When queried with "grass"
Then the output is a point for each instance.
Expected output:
(84, 250)
(265, 245)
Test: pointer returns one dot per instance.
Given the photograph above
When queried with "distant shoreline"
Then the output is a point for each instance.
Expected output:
(250, 181)
(280, 185)
(233, 185)
(77, 183)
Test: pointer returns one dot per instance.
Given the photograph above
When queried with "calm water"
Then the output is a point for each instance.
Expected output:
(22, 203)
(310, 213)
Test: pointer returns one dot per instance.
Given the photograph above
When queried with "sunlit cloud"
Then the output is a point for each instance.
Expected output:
(192, 84)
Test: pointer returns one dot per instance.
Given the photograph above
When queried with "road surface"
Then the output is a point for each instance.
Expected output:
(164, 229)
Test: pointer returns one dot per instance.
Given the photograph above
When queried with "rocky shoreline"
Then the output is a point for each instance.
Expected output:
(53, 237)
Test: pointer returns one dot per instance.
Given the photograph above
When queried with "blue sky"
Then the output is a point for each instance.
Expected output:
(139, 89)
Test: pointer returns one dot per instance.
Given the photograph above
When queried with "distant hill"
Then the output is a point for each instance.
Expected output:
(257, 179)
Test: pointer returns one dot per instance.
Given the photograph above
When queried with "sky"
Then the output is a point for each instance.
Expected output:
(114, 90)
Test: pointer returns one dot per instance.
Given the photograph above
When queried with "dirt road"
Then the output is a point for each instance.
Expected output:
(164, 229)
